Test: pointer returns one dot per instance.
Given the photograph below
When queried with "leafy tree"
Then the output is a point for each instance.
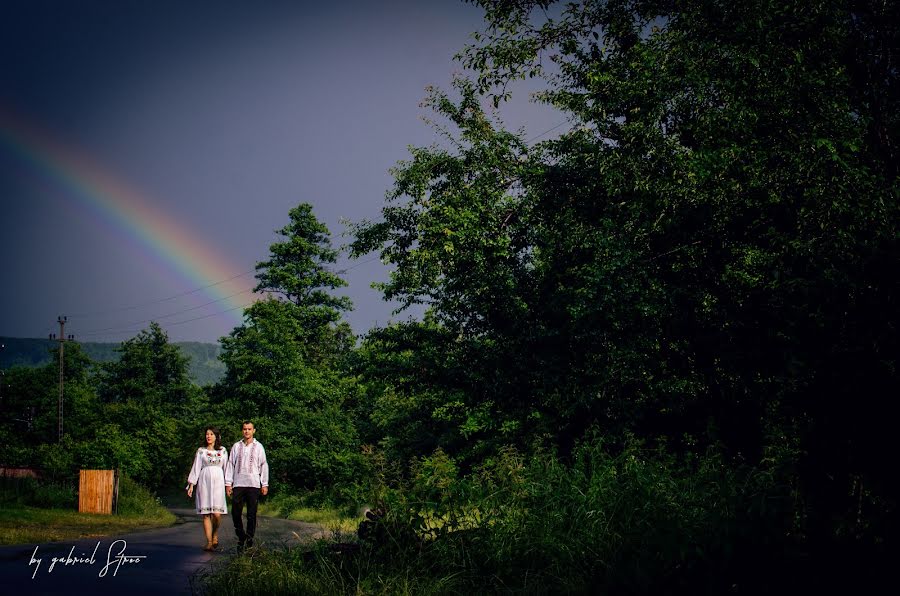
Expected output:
(139, 414)
(148, 411)
(298, 271)
(707, 255)
(149, 370)
(414, 398)
(282, 362)
(30, 404)
(297, 327)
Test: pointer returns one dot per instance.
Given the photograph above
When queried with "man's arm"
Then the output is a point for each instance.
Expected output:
(264, 474)
(229, 472)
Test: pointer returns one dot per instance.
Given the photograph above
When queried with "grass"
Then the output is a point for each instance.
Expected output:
(343, 521)
(317, 572)
(332, 519)
(32, 525)
(631, 521)
(37, 511)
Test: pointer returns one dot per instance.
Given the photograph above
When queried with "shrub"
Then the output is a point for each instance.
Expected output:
(35, 492)
(134, 499)
(633, 521)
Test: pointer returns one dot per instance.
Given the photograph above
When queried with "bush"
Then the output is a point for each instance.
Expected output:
(134, 499)
(636, 521)
(34, 492)
(57, 460)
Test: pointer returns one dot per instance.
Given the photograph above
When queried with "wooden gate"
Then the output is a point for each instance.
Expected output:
(97, 490)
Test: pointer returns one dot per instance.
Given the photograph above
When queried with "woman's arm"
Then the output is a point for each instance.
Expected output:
(195, 471)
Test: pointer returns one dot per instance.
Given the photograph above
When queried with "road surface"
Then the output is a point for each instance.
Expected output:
(163, 561)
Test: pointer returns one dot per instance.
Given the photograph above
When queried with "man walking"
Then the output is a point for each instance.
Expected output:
(246, 477)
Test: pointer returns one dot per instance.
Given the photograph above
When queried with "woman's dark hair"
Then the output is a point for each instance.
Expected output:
(216, 432)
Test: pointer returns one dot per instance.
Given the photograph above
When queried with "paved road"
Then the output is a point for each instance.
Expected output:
(160, 561)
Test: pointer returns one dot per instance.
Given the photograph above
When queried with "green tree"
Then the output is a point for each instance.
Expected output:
(414, 394)
(150, 371)
(707, 255)
(298, 270)
(30, 405)
(283, 362)
(149, 411)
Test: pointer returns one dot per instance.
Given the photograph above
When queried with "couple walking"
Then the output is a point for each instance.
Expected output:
(244, 475)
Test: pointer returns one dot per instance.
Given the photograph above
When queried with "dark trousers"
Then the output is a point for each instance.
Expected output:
(239, 496)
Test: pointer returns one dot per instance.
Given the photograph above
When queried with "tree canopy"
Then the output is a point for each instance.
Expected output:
(283, 362)
(707, 256)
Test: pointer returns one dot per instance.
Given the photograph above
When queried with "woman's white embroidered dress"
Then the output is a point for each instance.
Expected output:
(208, 477)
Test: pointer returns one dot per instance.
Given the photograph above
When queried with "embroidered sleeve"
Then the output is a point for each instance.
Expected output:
(263, 467)
(195, 469)
(229, 468)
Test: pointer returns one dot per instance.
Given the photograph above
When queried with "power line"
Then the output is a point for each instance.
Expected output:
(549, 130)
(212, 315)
(124, 330)
(346, 269)
(172, 314)
(131, 326)
(161, 300)
(194, 291)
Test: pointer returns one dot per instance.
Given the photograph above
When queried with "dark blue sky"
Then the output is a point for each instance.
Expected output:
(220, 115)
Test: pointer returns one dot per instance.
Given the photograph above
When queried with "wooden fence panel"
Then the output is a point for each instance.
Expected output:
(95, 491)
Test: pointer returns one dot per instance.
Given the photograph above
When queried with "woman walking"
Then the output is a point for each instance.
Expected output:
(208, 476)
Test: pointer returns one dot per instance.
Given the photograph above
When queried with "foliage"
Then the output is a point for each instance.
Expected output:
(305, 508)
(638, 522)
(706, 256)
(149, 409)
(705, 263)
(40, 511)
(150, 370)
(296, 269)
(136, 414)
(137, 500)
(283, 362)
(204, 366)
(415, 390)
(20, 492)
(31, 401)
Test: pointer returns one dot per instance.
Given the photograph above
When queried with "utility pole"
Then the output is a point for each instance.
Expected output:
(2, 374)
(62, 342)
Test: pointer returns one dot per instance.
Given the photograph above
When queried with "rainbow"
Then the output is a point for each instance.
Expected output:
(157, 234)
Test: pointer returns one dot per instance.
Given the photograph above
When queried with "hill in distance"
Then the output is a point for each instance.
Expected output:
(204, 366)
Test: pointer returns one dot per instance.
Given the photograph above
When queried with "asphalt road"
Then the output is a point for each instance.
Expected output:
(163, 561)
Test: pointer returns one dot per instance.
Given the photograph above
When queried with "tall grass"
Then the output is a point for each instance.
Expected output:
(636, 521)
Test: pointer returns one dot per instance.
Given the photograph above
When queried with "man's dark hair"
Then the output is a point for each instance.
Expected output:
(250, 422)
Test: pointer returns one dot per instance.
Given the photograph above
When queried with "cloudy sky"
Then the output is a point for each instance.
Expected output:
(148, 150)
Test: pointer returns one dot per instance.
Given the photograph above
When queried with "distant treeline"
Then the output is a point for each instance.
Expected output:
(204, 366)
